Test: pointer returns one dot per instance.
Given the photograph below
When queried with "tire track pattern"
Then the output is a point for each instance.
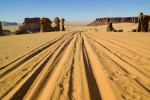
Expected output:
(74, 66)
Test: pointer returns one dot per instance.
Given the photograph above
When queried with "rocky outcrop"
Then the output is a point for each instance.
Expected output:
(57, 24)
(1, 30)
(104, 21)
(46, 25)
(143, 23)
(139, 22)
(110, 27)
(149, 26)
(62, 22)
(30, 25)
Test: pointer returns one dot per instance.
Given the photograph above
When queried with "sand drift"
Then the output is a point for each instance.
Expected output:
(83, 65)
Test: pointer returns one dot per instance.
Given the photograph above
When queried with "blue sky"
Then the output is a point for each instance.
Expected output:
(71, 10)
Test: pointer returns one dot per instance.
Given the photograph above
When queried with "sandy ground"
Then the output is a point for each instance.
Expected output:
(82, 63)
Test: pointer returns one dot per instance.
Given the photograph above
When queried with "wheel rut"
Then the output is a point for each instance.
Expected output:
(77, 66)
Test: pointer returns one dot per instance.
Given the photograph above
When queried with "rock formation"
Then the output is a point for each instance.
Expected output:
(110, 27)
(30, 25)
(46, 25)
(1, 30)
(140, 22)
(62, 21)
(57, 25)
(120, 30)
(133, 30)
(143, 23)
(104, 21)
(149, 26)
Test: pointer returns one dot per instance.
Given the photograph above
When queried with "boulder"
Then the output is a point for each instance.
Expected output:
(133, 30)
(120, 30)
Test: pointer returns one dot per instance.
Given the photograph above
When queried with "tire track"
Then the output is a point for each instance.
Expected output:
(122, 41)
(29, 68)
(13, 65)
(128, 57)
(92, 84)
(128, 86)
(100, 76)
(52, 78)
(115, 57)
(74, 66)
(69, 84)
(127, 47)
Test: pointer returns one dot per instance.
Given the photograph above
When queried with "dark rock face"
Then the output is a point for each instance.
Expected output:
(57, 25)
(30, 25)
(143, 23)
(104, 21)
(140, 18)
(133, 30)
(62, 21)
(110, 27)
(120, 30)
(46, 25)
(149, 26)
(1, 30)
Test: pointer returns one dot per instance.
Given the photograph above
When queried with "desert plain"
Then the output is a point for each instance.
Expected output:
(81, 63)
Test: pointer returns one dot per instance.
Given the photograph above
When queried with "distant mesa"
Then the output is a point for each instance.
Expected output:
(142, 20)
(9, 23)
(106, 20)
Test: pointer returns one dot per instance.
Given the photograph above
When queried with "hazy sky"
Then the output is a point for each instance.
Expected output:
(71, 10)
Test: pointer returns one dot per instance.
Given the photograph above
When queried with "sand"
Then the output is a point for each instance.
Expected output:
(82, 63)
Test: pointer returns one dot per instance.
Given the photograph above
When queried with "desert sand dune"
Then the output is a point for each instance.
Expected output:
(82, 63)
